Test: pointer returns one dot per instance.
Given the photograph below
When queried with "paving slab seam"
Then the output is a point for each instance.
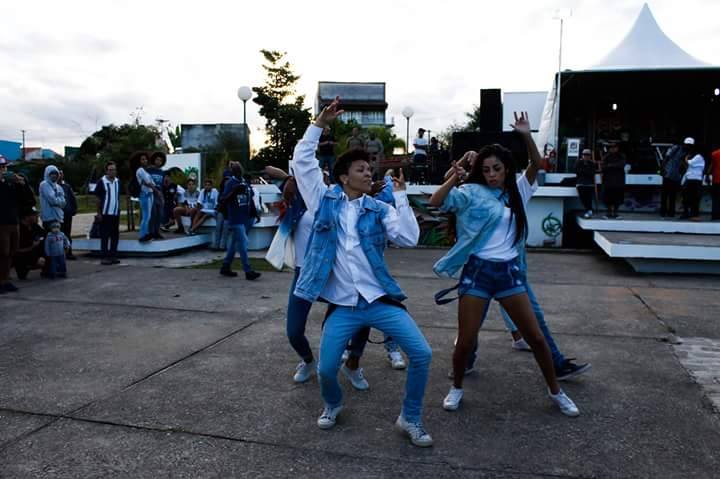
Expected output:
(449, 465)
(650, 309)
(69, 415)
(134, 306)
(700, 357)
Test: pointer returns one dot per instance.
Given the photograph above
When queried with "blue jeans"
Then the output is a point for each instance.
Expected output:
(220, 239)
(558, 358)
(357, 344)
(238, 244)
(156, 214)
(297, 316)
(345, 321)
(57, 266)
(146, 204)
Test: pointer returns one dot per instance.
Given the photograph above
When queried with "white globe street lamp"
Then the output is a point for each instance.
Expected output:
(407, 113)
(244, 93)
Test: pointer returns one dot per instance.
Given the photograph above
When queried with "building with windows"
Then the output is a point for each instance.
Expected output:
(363, 102)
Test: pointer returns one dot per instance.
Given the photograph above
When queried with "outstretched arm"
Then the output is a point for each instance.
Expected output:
(401, 226)
(522, 126)
(308, 175)
(438, 198)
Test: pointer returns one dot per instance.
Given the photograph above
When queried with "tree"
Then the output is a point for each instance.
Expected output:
(286, 118)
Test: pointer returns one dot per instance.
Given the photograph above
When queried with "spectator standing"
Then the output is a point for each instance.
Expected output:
(613, 169)
(52, 198)
(715, 188)
(187, 205)
(170, 197)
(147, 194)
(376, 152)
(30, 253)
(56, 244)
(222, 233)
(27, 196)
(107, 191)
(9, 200)
(420, 156)
(671, 167)
(692, 181)
(355, 142)
(585, 176)
(157, 161)
(69, 211)
(237, 198)
(326, 150)
(207, 202)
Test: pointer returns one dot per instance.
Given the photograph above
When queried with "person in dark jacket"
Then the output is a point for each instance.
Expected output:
(585, 176)
(69, 211)
(27, 195)
(671, 174)
(613, 170)
(10, 197)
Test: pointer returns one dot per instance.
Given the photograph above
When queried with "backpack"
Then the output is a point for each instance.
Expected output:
(134, 187)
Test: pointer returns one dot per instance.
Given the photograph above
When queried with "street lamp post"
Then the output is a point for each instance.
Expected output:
(560, 14)
(245, 93)
(407, 113)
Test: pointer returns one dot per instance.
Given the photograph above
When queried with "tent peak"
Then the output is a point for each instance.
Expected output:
(647, 47)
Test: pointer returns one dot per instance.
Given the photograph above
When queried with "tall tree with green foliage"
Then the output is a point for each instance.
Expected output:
(286, 118)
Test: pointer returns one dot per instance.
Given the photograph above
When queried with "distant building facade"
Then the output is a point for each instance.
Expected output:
(207, 136)
(363, 102)
(12, 150)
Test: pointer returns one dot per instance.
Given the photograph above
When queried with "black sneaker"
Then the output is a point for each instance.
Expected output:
(225, 271)
(9, 288)
(145, 239)
(106, 262)
(252, 275)
(569, 369)
(115, 261)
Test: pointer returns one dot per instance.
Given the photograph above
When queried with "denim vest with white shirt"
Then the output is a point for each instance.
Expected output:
(479, 210)
(322, 246)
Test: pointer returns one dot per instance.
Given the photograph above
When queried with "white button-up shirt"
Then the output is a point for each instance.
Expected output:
(351, 276)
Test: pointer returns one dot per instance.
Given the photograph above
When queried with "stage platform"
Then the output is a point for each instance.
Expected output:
(655, 245)
(130, 246)
(649, 223)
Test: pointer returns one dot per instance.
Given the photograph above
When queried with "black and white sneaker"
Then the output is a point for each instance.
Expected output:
(569, 369)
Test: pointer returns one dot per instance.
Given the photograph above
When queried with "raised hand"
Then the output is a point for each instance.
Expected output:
(399, 182)
(377, 187)
(522, 122)
(329, 113)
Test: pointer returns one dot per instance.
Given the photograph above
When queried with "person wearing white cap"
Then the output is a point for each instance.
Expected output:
(585, 175)
(692, 180)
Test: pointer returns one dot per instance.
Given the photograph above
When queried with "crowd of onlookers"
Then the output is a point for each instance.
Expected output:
(684, 170)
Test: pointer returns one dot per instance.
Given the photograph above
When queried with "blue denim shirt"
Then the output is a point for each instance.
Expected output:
(322, 246)
(478, 213)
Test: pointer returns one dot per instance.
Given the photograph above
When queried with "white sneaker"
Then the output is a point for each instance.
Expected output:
(355, 377)
(396, 360)
(566, 405)
(328, 418)
(415, 431)
(304, 371)
(588, 214)
(521, 345)
(452, 400)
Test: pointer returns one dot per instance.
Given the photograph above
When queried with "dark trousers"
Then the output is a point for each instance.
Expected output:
(156, 215)
(8, 245)
(109, 235)
(614, 197)
(691, 198)
(715, 192)
(668, 194)
(586, 194)
(67, 231)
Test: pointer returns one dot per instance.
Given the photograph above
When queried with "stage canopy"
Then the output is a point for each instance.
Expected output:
(646, 70)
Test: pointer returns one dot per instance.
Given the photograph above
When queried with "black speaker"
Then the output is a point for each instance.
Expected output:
(463, 141)
(491, 110)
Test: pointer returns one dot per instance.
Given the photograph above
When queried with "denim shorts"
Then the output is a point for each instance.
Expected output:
(491, 279)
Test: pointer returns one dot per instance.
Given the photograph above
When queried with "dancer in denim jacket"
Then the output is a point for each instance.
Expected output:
(345, 266)
(491, 232)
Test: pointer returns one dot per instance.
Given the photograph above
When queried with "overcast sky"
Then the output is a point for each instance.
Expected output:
(69, 67)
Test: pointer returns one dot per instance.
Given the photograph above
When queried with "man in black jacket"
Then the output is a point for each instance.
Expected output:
(10, 196)
(69, 211)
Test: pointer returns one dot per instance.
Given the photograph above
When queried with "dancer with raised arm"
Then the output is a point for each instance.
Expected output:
(345, 267)
(492, 227)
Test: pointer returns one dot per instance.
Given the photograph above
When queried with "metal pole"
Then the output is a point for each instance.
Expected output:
(557, 92)
(407, 136)
(244, 113)
(23, 145)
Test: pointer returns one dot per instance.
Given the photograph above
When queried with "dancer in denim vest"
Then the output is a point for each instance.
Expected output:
(344, 266)
(492, 227)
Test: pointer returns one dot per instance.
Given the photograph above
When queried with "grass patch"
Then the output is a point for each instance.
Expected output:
(258, 264)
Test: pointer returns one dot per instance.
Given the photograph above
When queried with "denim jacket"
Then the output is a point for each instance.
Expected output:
(478, 213)
(322, 247)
